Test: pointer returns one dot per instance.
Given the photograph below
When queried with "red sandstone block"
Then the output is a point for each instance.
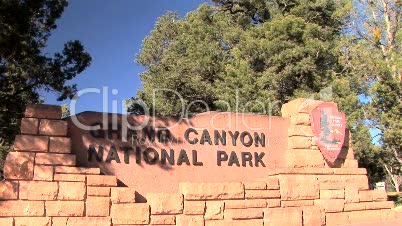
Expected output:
(33, 221)
(43, 111)
(98, 206)
(29, 126)
(8, 190)
(163, 219)
(71, 191)
(31, 143)
(55, 159)
(98, 191)
(7, 221)
(355, 206)
(332, 194)
(333, 219)
(300, 142)
(379, 195)
(283, 216)
(331, 182)
(194, 207)
(273, 203)
(330, 205)
(139, 213)
(379, 205)
(197, 191)
(262, 194)
(101, 180)
(252, 222)
(60, 145)
(59, 221)
(88, 221)
(122, 195)
(244, 204)
(295, 203)
(358, 217)
(350, 163)
(259, 185)
(351, 194)
(313, 216)
(165, 203)
(184, 220)
(69, 177)
(272, 183)
(359, 181)
(305, 158)
(22, 208)
(38, 190)
(300, 119)
(76, 170)
(387, 215)
(365, 196)
(238, 214)
(53, 127)
(214, 210)
(19, 166)
(65, 208)
(298, 187)
(300, 130)
(43, 173)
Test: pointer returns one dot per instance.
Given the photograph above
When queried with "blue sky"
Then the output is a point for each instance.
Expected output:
(112, 32)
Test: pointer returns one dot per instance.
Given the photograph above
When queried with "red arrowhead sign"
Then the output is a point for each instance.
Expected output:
(329, 128)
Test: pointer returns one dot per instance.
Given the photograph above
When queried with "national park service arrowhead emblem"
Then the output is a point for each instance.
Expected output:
(329, 127)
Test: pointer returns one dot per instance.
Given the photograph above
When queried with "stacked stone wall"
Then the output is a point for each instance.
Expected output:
(44, 186)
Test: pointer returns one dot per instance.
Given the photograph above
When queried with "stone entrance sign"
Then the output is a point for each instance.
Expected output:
(215, 168)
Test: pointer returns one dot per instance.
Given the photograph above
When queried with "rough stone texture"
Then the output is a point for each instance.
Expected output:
(253, 222)
(7, 221)
(97, 206)
(76, 170)
(98, 191)
(38, 190)
(165, 203)
(263, 194)
(194, 191)
(89, 221)
(43, 173)
(33, 221)
(244, 204)
(65, 208)
(273, 203)
(194, 207)
(214, 210)
(255, 185)
(71, 191)
(60, 144)
(53, 127)
(330, 205)
(139, 213)
(313, 216)
(163, 220)
(283, 216)
(184, 220)
(272, 183)
(296, 187)
(31, 143)
(101, 180)
(365, 196)
(379, 195)
(295, 203)
(55, 159)
(69, 177)
(43, 111)
(332, 194)
(22, 208)
(8, 190)
(29, 126)
(122, 195)
(243, 214)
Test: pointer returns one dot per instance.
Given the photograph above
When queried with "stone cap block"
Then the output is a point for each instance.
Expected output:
(203, 191)
(43, 111)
